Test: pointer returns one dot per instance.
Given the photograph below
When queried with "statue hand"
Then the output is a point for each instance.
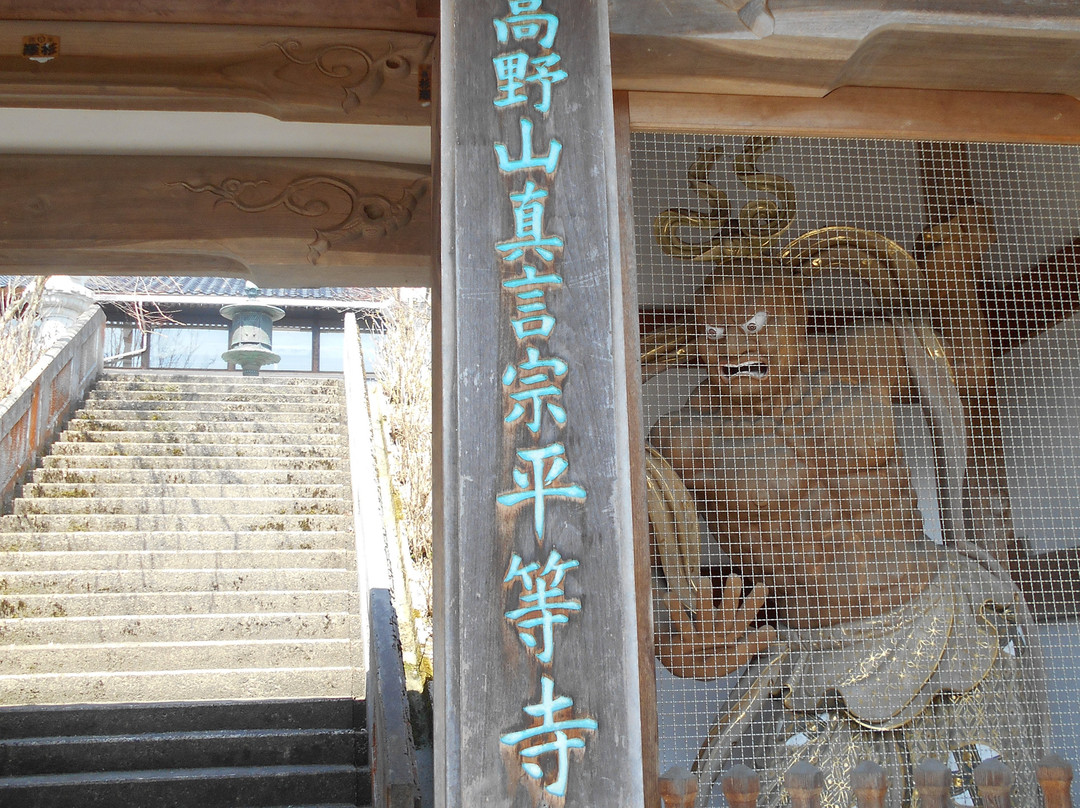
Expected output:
(714, 641)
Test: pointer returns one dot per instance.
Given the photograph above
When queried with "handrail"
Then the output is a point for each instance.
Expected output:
(395, 783)
(32, 413)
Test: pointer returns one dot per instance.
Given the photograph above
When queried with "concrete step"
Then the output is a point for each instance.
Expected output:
(225, 437)
(118, 407)
(212, 394)
(220, 477)
(165, 788)
(165, 749)
(270, 379)
(217, 540)
(119, 604)
(333, 453)
(295, 424)
(192, 491)
(174, 628)
(198, 655)
(213, 412)
(177, 560)
(170, 580)
(41, 721)
(270, 505)
(94, 457)
(157, 686)
(98, 522)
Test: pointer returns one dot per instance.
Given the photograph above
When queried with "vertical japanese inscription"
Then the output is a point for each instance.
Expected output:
(527, 72)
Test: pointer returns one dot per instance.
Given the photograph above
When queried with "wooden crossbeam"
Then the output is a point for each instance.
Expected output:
(296, 74)
(279, 221)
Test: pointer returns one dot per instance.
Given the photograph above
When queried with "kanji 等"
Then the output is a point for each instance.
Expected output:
(543, 602)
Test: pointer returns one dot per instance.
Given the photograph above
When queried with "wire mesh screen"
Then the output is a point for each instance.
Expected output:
(861, 368)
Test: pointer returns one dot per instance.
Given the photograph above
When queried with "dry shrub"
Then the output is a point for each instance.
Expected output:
(404, 370)
(20, 308)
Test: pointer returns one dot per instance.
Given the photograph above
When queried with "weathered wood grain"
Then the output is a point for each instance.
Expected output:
(281, 221)
(398, 15)
(862, 112)
(488, 676)
(297, 74)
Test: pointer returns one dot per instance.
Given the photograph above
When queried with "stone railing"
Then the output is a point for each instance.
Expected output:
(33, 413)
(394, 778)
(804, 783)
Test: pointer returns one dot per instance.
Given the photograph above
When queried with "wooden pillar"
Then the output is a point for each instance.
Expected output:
(538, 690)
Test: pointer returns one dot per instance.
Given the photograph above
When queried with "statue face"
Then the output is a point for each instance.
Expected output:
(751, 335)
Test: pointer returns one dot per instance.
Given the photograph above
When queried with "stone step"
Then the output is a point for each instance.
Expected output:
(210, 394)
(237, 787)
(250, 654)
(174, 628)
(334, 453)
(156, 686)
(42, 721)
(165, 749)
(143, 436)
(220, 477)
(187, 490)
(170, 580)
(120, 408)
(217, 540)
(124, 413)
(269, 505)
(120, 604)
(181, 559)
(272, 379)
(98, 522)
(233, 506)
(298, 424)
(92, 456)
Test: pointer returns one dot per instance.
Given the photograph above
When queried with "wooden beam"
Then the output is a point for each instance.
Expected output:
(865, 112)
(280, 221)
(531, 272)
(296, 74)
(394, 15)
(809, 47)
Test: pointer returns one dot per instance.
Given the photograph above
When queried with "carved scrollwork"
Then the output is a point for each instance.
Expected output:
(360, 72)
(759, 223)
(367, 216)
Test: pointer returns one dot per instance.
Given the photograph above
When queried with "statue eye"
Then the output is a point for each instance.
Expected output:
(715, 331)
(756, 323)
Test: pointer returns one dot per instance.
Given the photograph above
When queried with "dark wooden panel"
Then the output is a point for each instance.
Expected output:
(490, 675)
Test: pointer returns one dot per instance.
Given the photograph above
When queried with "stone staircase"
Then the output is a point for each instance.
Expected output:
(178, 602)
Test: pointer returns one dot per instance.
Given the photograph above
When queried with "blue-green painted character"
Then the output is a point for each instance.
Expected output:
(527, 22)
(533, 482)
(529, 159)
(560, 731)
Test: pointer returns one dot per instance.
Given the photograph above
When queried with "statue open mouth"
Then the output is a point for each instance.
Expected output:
(754, 368)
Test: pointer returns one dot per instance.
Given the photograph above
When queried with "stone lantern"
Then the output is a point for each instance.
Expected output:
(250, 327)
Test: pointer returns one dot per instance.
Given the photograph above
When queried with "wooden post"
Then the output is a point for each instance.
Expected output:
(1055, 776)
(994, 780)
(741, 785)
(932, 781)
(538, 683)
(804, 783)
(678, 788)
(869, 784)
